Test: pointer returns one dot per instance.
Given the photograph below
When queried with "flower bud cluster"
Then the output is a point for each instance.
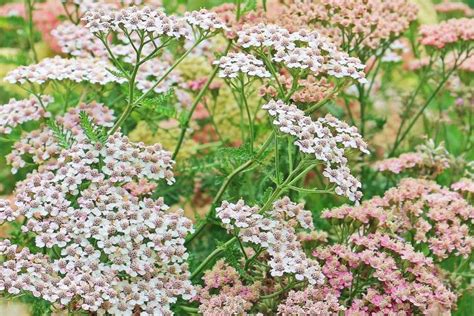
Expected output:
(327, 139)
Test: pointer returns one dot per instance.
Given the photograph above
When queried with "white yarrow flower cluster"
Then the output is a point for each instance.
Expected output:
(327, 139)
(78, 70)
(77, 41)
(205, 20)
(41, 145)
(304, 50)
(118, 252)
(239, 63)
(17, 112)
(152, 21)
(276, 233)
(151, 71)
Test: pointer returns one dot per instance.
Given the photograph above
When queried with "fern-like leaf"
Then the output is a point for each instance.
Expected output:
(94, 133)
(64, 137)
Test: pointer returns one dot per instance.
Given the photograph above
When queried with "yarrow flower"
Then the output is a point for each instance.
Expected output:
(78, 41)
(454, 7)
(276, 233)
(205, 20)
(417, 209)
(326, 139)
(439, 217)
(41, 145)
(427, 159)
(118, 253)
(89, 70)
(302, 50)
(401, 279)
(224, 293)
(447, 32)
(17, 112)
(136, 19)
(235, 63)
(311, 301)
(364, 23)
(464, 185)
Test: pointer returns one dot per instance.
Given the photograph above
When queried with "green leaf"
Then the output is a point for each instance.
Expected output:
(94, 133)
(63, 136)
(250, 5)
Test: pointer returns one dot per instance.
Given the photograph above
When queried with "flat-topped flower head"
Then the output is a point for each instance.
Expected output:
(275, 232)
(41, 145)
(239, 63)
(447, 32)
(78, 41)
(354, 23)
(303, 50)
(440, 218)
(17, 112)
(115, 251)
(326, 139)
(80, 70)
(401, 279)
(224, 292)
(205, 20)
(131, 19)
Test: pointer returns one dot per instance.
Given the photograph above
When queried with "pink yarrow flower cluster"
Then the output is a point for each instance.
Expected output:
(327, 139)
(303, 50)
(118, 253)
(311, 301)
(90, 70)
(439, 217)
(276, 233)
(401, 280)
(417, 209)
(454, 7)
(17, 112)
(464, 185)
(365, 23)
(224, 293)
(401, 163)
(427, 158)
(447, 32)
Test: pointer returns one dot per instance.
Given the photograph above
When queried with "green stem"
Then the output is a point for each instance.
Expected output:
(195, 103)
(29, 4)
(224, 186)
(211, 256)
(398, 141)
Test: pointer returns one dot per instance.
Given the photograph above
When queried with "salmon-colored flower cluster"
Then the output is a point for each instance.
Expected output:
(447, 32)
